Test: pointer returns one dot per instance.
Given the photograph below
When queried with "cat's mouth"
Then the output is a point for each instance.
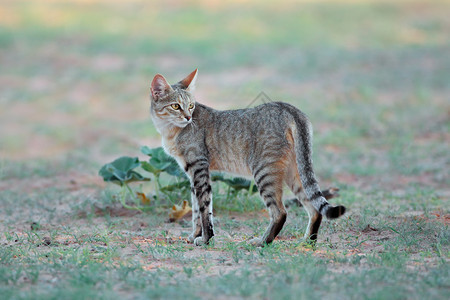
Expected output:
(183, 124)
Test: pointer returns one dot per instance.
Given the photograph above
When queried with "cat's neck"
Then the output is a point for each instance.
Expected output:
(169, 135)
(167, 130)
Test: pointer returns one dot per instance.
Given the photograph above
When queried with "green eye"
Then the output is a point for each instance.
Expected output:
(175, 106)
(191, 105)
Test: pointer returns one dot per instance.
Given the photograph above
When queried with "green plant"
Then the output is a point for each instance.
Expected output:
(122, 171)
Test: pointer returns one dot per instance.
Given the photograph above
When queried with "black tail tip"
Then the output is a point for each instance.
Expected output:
(335, 212)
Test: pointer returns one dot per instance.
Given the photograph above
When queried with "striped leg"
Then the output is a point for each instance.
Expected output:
(202, 219)
(196, 222)
(315, 218)
(270, 185)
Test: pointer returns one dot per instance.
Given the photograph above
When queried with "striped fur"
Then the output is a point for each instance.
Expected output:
(271, 142)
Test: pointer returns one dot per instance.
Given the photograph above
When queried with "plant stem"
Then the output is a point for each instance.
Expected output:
(158, 187)
(126, 188)
(250, 189)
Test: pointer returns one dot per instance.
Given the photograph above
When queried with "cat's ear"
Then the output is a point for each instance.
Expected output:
(188, 83)
(160, 87)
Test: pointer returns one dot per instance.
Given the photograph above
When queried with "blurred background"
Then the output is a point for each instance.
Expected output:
(372, 75)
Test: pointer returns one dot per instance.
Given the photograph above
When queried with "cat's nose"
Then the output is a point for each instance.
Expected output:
(188, 118)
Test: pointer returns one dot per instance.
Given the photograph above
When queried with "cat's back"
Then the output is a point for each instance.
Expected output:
(236, 137)
(264, 118)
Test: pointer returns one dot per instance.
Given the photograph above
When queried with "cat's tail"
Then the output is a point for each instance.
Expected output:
(303, 151)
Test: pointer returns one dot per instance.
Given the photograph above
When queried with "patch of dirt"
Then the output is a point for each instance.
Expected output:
(436, 216)
(70, 181)
(111, 211)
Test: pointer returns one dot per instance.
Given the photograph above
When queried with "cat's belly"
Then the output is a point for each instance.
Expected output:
(232, 166)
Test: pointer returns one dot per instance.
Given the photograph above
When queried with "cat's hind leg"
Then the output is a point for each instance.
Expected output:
(315, 218)
(270, 186)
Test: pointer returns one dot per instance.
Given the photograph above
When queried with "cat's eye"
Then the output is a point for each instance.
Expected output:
(175, 106)
(191, 105)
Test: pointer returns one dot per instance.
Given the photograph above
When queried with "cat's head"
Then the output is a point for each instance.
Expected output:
(172, 104)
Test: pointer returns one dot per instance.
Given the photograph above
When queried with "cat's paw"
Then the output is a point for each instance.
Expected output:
(191, 238)
(257, 242)
(198, 241)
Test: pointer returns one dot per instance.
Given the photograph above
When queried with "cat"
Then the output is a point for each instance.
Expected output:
(270, 142)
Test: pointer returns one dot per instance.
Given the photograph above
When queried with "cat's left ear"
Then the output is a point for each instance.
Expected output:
(188, 83)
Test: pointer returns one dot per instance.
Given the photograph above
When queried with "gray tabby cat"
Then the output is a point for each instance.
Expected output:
(270, 142)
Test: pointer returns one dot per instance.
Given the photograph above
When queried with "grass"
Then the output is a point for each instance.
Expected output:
(95, 264)
(371, 75)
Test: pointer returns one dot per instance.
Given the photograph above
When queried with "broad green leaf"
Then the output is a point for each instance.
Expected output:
(150, 151)
(121, 171)
(150, 168)
(160, 161)
(176, 186)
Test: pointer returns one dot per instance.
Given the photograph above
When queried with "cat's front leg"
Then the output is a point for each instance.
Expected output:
(196, 222)
(202, 218)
